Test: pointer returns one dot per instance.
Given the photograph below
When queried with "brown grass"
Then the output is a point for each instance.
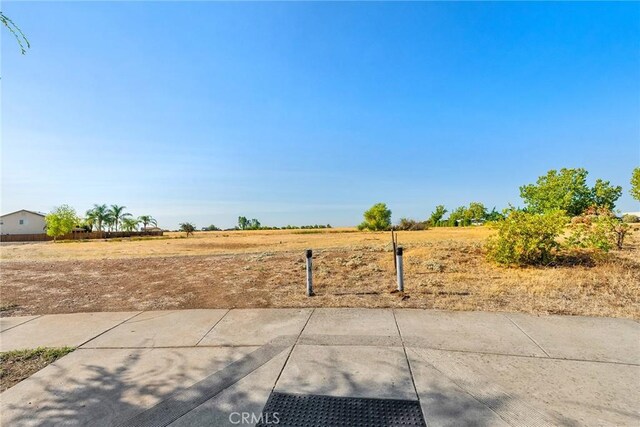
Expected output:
(18, 365)
(445, 269)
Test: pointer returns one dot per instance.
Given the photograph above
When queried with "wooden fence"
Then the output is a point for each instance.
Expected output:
(42, 237)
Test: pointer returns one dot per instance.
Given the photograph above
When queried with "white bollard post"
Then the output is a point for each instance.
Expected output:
(309, 273)
(400, 272)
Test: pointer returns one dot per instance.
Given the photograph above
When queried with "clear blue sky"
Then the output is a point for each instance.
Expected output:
(309, 113)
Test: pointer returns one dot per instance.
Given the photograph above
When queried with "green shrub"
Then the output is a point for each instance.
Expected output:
(630, 219)
(597, 228)
(526, 238)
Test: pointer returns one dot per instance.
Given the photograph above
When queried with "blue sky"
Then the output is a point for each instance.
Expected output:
(302, 113)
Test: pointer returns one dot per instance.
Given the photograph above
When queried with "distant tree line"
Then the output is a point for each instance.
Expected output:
(565, 190)
(64, 219)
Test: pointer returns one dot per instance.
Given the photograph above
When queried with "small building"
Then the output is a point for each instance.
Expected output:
(22, 222)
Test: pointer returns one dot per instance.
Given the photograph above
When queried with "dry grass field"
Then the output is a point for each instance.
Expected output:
(445, 269)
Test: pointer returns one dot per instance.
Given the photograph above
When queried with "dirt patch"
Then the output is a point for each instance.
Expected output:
(17, 365)
(443, 274)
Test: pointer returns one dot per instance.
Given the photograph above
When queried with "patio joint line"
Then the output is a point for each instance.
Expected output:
(404, 349)
(26, 321)
(113, 327)
(528, 336)
(284, 365)
(557, 359)
(214, 325)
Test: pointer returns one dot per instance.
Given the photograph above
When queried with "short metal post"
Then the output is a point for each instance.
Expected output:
(309, 273)
(400, 272)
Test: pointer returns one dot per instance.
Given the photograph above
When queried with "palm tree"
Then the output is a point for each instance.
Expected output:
(117, 214)
(146, 220)
(98, 215)
(130, 224)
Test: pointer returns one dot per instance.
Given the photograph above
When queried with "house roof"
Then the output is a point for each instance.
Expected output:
(23, 210)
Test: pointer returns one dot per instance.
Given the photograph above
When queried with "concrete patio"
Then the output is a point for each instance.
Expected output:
(198, 367)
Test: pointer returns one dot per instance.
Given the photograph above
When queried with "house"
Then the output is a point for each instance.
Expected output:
(22, 222)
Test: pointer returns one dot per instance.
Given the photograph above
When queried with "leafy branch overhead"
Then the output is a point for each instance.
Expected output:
(22, 40)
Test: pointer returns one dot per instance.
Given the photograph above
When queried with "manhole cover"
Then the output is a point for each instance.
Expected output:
(299, 410)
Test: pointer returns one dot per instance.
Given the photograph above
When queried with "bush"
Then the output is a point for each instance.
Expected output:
(597, 228)
(411, 225)
(526, 238)
(630, 219)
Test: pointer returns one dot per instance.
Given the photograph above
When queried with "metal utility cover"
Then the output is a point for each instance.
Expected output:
(308, 410)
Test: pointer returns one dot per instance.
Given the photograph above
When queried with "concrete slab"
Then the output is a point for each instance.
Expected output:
(444, 403)
(584, 338)
(11, 322)
(256, 326)
(59, 330)
(353, 321)
(533, 391)
(248, 396)
(108, 386)
(354, 371)
(161, 329)
(465, 331)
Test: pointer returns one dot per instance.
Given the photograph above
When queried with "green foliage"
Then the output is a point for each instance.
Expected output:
(526, 238)
(635, 184)
(476, 211)
(458, 216)
(210, 228)
(116, 214)
(604, 195)
(145, 220)
(494, 215)
(97, 216)
(567, 190)
(187, 227)
(377, 218)
(597, 228)
(130, 224)
(243, 222)
(62, 220)
(437, 215)
(22, 40)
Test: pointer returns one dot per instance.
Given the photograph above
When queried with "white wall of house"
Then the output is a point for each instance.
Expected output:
(22, 222)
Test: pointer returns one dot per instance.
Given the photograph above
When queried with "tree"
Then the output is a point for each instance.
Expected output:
(565, 190)
(62, 220)
(146, 220)
(457, 216)
(476, 211)
(187, 227)
(97, 216)
(210, 228)
(253, 224)
(635, 184)
(243, 222)
(130, 224)
(437, 215)
(377, 218)
(604, 195)
(117, 215)
(494, 215)
(22, 40)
